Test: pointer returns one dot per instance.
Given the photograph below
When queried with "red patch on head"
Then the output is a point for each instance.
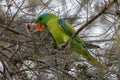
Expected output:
(38, 27)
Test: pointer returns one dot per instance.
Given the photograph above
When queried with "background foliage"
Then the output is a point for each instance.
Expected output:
(26, 54)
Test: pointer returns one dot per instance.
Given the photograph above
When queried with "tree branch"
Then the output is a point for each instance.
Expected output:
(13, 17)
(16, 32)
(106, 7)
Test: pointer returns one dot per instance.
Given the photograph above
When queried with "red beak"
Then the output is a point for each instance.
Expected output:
(40, 27)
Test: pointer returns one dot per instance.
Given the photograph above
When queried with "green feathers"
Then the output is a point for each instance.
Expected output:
(44, 18)
(62, 32)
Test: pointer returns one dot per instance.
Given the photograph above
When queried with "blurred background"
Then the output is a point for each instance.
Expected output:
(26, 54)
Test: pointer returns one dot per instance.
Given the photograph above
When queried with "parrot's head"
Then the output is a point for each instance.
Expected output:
(42, 20)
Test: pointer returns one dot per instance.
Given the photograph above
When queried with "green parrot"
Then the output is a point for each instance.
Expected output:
(62, 31)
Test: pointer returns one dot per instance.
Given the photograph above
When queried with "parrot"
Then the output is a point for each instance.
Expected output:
(62, 31)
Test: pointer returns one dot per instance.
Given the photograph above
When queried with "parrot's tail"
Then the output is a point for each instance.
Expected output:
(97, 64)
(78, 48)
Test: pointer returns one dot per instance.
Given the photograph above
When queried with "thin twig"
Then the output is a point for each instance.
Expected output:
(15, 14)
(103, 40)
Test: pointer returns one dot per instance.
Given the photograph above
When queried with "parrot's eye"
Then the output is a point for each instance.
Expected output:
(40, 18)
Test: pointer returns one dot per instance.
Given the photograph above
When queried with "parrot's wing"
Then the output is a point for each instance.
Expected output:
(64, 25)
(69, 30)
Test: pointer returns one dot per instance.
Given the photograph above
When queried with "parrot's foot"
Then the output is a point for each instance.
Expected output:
(62, 46)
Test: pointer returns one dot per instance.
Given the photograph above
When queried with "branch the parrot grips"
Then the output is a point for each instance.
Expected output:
(40, 27)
